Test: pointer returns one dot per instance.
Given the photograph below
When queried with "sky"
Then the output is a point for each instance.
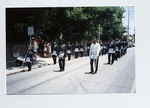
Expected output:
(131, 18)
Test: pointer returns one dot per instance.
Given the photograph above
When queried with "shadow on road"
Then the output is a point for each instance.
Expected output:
(57, 71)
(106, 64)
(88, 73)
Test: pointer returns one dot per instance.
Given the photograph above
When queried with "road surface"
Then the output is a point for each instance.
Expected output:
(116, 78)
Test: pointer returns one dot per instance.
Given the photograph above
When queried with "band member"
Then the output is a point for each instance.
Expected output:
(76, 49)
(88, 47)
(105, 50)
(125, 47)
(69, 50)
(94, 55)
(102, 48)
(111, 51)
(81, 49)
(29, 58)
(122, 46)
(62, 55)
(118, 46)
(54, 52)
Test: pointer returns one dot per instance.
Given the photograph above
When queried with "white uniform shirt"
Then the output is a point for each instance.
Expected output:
(94, 50)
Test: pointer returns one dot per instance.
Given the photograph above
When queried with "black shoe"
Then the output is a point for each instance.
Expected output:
(91, 72)
(94, 72)
(108, 63)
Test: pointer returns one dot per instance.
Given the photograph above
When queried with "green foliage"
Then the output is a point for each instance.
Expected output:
(75, 23)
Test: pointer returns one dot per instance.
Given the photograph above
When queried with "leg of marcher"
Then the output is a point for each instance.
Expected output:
(108, 58)
(63, 64)
(91, 62)
(96, 64)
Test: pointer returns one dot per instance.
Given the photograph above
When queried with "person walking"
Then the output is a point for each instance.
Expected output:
(76, 49)
(62, 55)
(69, 50)
(54, 52)
(111, 51)
(94, 55)
(118, 47)
(88, 47)
(81, 48)
(29, 58)
(122, 48)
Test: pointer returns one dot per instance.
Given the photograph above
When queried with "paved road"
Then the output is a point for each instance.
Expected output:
(116, 78)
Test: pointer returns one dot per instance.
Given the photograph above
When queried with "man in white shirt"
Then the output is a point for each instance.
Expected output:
(94, 55)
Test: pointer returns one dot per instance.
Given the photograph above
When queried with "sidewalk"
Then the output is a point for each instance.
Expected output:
(11, 67)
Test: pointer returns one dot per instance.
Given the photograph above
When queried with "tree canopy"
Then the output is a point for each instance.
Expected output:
(71, 23)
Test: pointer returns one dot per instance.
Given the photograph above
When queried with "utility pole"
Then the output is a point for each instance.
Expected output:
(99, 34)
(128, 25)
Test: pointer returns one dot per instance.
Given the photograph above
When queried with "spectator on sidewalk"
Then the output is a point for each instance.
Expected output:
(45, 49)
(49, 49)
(42, 47)
(35, 47)
(39, 44)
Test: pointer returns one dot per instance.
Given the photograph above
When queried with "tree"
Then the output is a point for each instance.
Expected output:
(74, 23)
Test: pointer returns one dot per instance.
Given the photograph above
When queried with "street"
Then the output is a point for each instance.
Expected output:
(116, 78)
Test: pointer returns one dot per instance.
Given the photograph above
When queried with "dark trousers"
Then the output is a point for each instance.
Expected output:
(105, 51)
(29, 65)
(69, 56)
(117, 55)
(88, 51)
(96, 64)
(81, 53)
(101, 52)
(62, 64)
(54, 58)
(76, 54)
(122, 52)
(111, 57)
(125, 51)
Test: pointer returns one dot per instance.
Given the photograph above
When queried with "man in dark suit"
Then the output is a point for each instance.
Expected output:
(88, 48)
(111, 51)
(76, 49)
(62, 55)
(54, 52)
(69, 50)
(81, 48)
(117, 47)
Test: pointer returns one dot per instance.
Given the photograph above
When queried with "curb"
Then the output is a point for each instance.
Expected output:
(24, 70)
